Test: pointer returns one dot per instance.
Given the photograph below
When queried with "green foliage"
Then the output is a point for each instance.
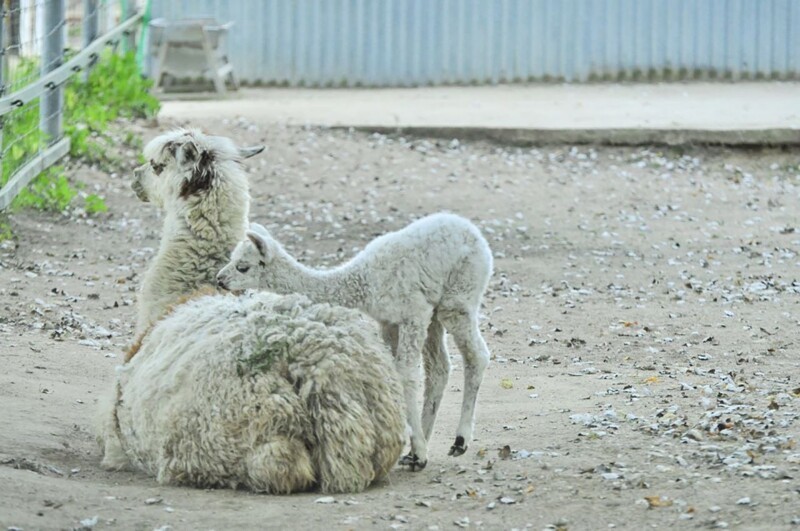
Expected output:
(95, 204)
(6, 232)
(21, 138)
(21, 134)
(113, 89)
(49, 191)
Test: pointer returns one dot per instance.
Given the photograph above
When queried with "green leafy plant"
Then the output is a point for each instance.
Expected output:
(49, 191)
(21, 134)
(6, 233)
(113, 89)
(95, 204)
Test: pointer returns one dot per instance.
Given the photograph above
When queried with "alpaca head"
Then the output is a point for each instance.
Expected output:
(184, 164)
(250, 260)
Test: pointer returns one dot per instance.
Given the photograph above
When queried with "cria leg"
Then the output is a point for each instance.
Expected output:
(437, 370)
(409, 353)
(464, 328)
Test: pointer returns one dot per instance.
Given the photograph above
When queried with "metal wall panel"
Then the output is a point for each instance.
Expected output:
(431, 42)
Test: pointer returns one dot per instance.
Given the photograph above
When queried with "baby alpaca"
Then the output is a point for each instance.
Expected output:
(198, 181)
(266, 392)
(418, 282)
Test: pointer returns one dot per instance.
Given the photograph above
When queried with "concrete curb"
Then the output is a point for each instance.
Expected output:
(620, 137)
(740, 114)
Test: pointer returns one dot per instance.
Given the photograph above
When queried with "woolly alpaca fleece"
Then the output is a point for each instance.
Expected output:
(265, 392)
(198, 181)
(417, 282)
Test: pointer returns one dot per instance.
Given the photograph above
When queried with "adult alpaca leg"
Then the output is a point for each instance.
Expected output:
(280, 466)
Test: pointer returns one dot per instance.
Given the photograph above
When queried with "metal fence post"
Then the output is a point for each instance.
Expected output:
(90, 25)
(130, 40)
(2, 79)
(51, 103)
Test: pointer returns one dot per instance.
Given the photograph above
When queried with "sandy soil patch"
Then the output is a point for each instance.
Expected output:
(643, 319)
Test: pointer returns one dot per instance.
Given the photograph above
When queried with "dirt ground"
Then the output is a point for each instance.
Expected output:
(643, 320)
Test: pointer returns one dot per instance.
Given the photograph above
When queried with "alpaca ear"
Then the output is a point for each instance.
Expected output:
(171, 148)
(247, 152)
(202, 176)
(187, 153)
(259, 242)
(258, 229)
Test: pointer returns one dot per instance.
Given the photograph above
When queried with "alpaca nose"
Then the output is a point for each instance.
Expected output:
(221, 283)
(138, 189)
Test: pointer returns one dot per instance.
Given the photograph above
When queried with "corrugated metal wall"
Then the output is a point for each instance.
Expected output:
(423, 42)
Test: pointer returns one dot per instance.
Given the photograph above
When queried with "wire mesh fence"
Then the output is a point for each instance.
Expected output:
(43, 45)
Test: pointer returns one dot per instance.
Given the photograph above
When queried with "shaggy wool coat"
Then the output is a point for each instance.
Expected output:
(270, 393)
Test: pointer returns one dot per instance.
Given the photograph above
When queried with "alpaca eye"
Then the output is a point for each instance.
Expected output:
(241, 268)
(157, 168)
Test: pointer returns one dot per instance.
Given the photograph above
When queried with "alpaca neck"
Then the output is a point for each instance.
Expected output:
(218, 215)
(336, 286)
(199, 228)
(195, 246)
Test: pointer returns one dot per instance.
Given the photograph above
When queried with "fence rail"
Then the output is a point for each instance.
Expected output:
(33, 71)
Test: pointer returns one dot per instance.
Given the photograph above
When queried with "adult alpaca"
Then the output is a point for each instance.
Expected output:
(266, 392)
(198, 181)
(417, 282)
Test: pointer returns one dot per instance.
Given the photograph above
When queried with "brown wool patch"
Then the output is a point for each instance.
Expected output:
(136, 345)
(202, 178)
(196, 294)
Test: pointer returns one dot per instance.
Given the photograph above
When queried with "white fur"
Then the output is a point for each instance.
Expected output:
(417, 282)
(200, 228)
(322, 407)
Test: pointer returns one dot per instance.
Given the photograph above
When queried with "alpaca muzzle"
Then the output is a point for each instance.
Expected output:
(138, 189)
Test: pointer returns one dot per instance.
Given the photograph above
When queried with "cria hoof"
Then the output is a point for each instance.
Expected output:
(458, 448)
(413, 462)
(455, 451)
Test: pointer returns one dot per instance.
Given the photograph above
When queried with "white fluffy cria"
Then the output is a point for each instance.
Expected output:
(265, 392)
(199, 183)
(417, 282)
